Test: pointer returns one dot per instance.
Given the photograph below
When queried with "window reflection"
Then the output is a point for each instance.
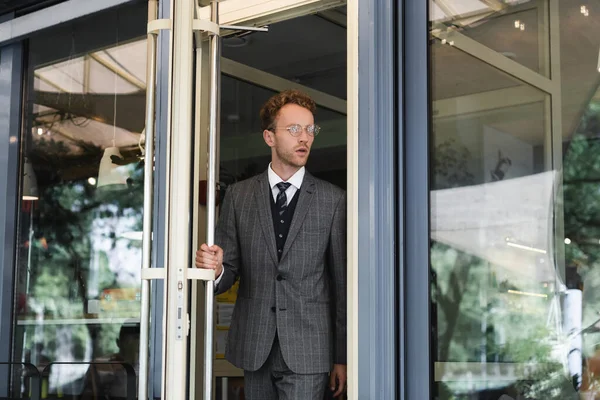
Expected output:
(514, 187)
(582, 233)
(81, 216)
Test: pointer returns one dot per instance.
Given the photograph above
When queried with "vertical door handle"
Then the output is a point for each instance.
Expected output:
(211, 187)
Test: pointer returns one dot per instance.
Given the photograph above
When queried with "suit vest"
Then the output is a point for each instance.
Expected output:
(282, 223)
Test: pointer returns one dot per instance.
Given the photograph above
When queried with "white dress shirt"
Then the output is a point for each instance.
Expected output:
(274, 179)
(295, 180)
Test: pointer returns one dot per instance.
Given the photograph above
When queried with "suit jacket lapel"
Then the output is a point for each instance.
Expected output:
(262, 194)
(306, 193)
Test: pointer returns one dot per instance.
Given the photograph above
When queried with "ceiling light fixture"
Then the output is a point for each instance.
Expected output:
(30, 189)
(110, 176)
(236, 41)
(584, 10)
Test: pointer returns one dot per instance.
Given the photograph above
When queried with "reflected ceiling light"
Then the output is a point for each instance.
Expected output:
(133, 235)
(92, 181)
(517, 24)
(567, 241)
(110, 175)
(523, 247)
(527, 293)
(40, 131)
(522, 27)
(30, 189)
(511, 243)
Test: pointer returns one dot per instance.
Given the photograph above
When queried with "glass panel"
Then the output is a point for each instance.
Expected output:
(515, 29)
(515, 234)
(79, 254)
(491, 214)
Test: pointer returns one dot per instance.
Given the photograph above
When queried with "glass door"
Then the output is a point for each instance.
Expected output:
(313, 62)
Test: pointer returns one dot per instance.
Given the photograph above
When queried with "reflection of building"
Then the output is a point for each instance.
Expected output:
(465, 133)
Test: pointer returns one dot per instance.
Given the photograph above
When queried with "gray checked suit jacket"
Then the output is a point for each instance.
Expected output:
(303, 296)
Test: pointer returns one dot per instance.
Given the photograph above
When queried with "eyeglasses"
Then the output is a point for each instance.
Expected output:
(296, 129)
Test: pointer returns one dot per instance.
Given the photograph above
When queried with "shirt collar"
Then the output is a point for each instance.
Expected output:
(295, 180)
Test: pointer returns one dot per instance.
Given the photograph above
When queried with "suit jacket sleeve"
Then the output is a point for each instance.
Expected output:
(226, 237)
(338, 271)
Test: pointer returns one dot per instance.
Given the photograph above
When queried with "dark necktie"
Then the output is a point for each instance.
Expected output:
(281, 202)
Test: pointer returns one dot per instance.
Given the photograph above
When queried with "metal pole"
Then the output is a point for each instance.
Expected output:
(148, 204)
(213, 133)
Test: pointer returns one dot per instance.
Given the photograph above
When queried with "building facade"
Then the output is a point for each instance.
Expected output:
(463, 131)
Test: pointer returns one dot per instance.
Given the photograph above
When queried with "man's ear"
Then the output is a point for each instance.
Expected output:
(268, 137)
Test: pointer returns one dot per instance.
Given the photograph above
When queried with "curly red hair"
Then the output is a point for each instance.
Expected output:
(270, 109)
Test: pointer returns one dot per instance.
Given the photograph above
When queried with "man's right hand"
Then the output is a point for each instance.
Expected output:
(210, 257)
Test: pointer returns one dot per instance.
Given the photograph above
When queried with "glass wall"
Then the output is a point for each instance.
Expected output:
(79, 230)
(515, 199)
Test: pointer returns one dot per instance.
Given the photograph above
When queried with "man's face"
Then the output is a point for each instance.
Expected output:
(290, 150)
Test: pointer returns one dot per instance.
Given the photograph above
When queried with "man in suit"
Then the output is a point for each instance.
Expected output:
(283, 234)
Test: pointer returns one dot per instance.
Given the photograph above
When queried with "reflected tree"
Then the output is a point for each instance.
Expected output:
(58, 273)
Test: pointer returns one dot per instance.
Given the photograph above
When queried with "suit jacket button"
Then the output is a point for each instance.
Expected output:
(279, 277)
(273, 309)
